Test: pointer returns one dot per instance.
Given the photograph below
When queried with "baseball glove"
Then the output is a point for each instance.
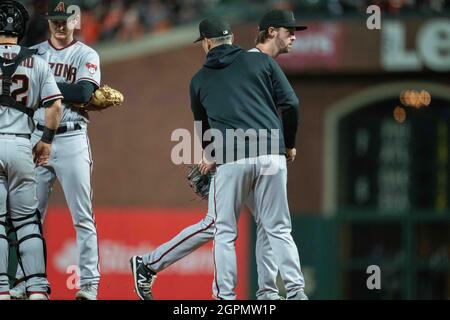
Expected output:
(103, 98)
(199, 182)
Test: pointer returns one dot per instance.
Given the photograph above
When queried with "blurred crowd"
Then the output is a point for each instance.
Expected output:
(120, 20)
(125, 20)
(349, 7)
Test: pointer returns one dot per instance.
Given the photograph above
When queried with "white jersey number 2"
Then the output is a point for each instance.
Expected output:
(20, 94)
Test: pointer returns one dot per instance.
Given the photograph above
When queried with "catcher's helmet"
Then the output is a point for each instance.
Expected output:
(13, 18)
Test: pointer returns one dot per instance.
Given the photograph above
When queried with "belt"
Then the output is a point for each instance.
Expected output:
(61, 129)
(20, 135)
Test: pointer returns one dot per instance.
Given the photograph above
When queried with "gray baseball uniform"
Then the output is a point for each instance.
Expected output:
(266, 196)
(71, 160)
(196, 235)
(32, 85)
(187, 241)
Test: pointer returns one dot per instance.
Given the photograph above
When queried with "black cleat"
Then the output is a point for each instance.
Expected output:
(143, 278)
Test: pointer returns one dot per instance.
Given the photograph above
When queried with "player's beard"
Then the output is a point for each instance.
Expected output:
(283, 47)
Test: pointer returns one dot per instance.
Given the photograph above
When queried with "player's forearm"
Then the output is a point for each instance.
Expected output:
(290, 125)
(80, 92)
(199, 114)
(53, 115)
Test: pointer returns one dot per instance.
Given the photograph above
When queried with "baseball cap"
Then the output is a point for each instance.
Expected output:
(279, 18)
(214, 27)
(57, 10)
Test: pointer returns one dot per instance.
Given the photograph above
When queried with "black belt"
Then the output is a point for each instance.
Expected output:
(20, 135)
(61, 129)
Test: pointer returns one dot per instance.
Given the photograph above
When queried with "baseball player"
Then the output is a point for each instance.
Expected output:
(27, 82)
(76, 68)
(241, 177)
(276, 37)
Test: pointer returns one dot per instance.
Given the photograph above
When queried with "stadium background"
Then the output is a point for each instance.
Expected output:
(365, 189)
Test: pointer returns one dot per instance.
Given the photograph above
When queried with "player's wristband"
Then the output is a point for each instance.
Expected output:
(48, 135)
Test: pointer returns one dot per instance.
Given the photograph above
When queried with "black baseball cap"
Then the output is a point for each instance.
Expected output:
(280, 18)
(214, 27)
(57, 10)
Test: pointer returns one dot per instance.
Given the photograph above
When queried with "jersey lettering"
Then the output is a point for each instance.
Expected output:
(28, 63)
(64, 70)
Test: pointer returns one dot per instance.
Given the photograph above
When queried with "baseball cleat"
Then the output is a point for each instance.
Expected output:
(143, 278)
(5, 296)
(19, 292)
(38, 296)
(300, 295)
(87, 292)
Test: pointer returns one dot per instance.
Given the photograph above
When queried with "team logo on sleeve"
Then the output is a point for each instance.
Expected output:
(91, 67)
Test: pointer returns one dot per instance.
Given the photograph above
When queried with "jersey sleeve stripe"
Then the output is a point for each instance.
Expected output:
(54, 97)
(89, 79)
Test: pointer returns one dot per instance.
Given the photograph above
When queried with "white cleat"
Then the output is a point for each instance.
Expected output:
(300, 295)
(87, 292)
(4, 296)
(38, 296)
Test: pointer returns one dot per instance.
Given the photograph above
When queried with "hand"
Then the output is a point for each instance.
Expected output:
(290, 155)
(206, 167)
(41, 153)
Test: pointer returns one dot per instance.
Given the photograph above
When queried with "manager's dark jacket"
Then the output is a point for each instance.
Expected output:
(236, 89)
